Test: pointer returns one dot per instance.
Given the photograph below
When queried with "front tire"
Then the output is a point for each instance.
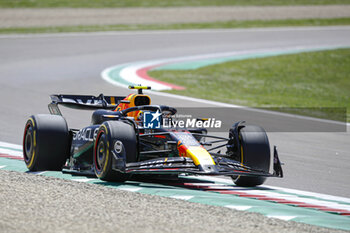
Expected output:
(255, 153)
(110, 133)
(45, 142)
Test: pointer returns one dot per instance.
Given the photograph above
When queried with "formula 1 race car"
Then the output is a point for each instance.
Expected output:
(126, 137)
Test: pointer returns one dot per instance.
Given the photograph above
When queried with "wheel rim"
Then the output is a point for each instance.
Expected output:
(28, 144)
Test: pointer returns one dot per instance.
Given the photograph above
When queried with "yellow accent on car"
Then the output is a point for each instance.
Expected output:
(241, 160)
(105, 129)
(139, 87)
(34, 142)
(107, 155)
(112, 100)
(33, 155)
(131, 99)
(34, 137)
(199, 155)
(31, 160)
(110, 116)
(32, 120)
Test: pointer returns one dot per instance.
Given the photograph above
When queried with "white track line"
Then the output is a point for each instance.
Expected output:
(11, 149)
(130, 189)
(10, 145)
(325, 197)
(239, 207)
(157, 32)
(186, 198)
(11, 152)
(281, 217)
(84, 180)
(311, 194)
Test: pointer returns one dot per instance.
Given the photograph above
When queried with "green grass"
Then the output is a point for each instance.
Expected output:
(306, 80)
(229, 24)
(159, 3)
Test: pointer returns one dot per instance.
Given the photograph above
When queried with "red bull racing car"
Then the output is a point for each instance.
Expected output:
(126, 138)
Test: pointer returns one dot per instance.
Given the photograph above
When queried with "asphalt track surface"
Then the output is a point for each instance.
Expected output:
(34, 66)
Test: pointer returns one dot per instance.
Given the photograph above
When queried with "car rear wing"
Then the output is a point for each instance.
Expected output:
(84, 102)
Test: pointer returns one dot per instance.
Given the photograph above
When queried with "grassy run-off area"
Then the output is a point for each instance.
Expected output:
(213, 25)
(160, 3)
(298, 83)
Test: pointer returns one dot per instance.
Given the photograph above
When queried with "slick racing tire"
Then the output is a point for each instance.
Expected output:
(45, 142)
(114, 138)
(255, 153)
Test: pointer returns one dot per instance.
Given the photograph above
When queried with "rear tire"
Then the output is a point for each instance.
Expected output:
(255, 153)
(108, 134)
(45, 142)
